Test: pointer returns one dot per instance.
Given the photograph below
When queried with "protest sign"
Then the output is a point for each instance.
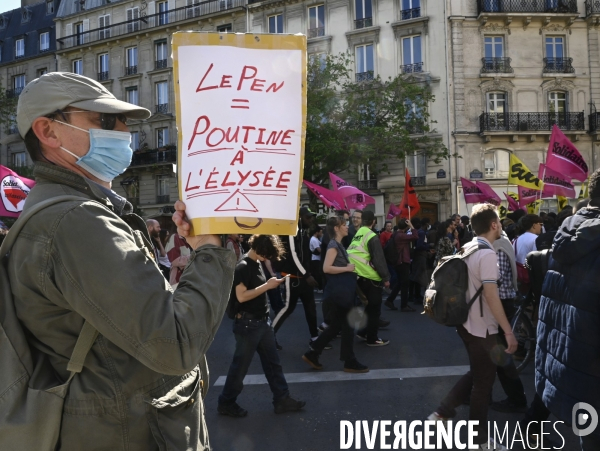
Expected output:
(14, 190)
(241, 120)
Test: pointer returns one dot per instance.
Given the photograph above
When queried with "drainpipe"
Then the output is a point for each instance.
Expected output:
(448, 99)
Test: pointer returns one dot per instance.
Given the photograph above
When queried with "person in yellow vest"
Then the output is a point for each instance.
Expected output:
(366, 254)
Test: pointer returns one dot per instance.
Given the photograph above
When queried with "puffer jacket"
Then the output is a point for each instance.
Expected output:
(142, 382)
(568, 346)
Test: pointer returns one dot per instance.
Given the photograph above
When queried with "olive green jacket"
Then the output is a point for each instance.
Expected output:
(143, 381)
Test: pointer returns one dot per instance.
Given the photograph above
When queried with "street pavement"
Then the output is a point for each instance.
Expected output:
(408, 378)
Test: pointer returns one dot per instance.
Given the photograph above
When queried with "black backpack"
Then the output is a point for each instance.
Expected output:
(445, 299)
(390, 251)
(537, 263)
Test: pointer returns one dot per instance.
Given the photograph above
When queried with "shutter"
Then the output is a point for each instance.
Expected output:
(69, 32)
(151, 11)
(171, 5)
(107, 24)
(189, 12)
(86, 27)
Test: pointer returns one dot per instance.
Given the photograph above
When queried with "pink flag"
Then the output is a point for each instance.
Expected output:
(527, 196)
(489, 195)
(354, 197)
(512, 204)
(393, 211)
(556, 183)
(14, 189)
(472, 192)
(328, 197)
(564, 157)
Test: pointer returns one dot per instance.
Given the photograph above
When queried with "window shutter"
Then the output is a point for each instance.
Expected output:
(69, 32)
(86, 27)
(151, 12)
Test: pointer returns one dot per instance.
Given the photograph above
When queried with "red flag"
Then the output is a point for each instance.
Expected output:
(328, 197)
(556, 183)
(489, 195)
(527, 196)
(563, 157)
(393, 212)
(354, 197)
(409, 205)
(14, 189)
(512, 204)
(472, 192)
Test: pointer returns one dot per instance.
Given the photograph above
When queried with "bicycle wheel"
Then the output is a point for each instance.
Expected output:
(525, 335)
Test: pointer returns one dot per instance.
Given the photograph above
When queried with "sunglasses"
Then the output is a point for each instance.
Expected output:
(108, 121)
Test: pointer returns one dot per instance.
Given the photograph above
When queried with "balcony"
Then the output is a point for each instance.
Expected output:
(496, 66)
(527, 6)
(150, 21)
(407, 14)
(162, 108)
(316, 32)
(592, 7)
(418, 181)
(131, 70)
(163, 199)
(528, 122)
(367, 184)
(12, 93)
(19, 56)
(558, 66)
(160, 64)
(155, 156)
(363, 23)
(594, 122)
(364, 76)
(415, 126)
(411, 68)
(103, 76)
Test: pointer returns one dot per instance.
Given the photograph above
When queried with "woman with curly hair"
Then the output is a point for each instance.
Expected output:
(253, 331)
(446, 244)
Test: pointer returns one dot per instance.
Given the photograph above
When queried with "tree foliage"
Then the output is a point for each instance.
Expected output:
(375, 121)
(8, 110)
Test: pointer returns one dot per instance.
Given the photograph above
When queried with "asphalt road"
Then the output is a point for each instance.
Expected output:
(396, 394)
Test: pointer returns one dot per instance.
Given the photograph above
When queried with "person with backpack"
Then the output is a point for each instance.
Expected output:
(446, 244)
(531, 227)
(479, 332)
(253, 331)
(402, 240)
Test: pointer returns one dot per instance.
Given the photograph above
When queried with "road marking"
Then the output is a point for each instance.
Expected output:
(333, 376)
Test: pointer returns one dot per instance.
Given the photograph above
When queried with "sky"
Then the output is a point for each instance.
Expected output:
(9, 5)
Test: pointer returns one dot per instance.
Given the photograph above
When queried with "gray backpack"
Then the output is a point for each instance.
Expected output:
(31, 399)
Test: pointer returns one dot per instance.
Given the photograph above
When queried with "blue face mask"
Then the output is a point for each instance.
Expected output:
(109, 155)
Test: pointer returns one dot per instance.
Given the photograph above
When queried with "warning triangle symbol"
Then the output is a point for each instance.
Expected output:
(237, 202)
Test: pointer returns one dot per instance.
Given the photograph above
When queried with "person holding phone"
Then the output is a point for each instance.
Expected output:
(253, 331)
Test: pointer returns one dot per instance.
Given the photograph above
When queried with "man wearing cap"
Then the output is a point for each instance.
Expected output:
(89, 262)
(300, 284)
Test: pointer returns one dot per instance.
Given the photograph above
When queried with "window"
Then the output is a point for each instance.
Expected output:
(417, 165)
(79, 33)
(42, 71)
(131, 61)
(78, 67)
(19, 159)
(19, 83)
(366, 179)
(25, 15)
(133, 24)
(364, 13)
(364, 62)
(497, 109)
(225, 4)
(20, 48)
(161, 54)
(494, 47)
(163, 13)
(225, 28)
(163, 185)
(44, 41)
(162, 137)
(411, 9)
(412, 60)
(497, 164)
(103, 67)
(135, 139)
(103, 24)
(276, 24)
(555, 61)
(193, 8)
(414, 117)
(557, 102)
(554, 47)
(162, 97)
(49, 6)
(132, 95)
(316, 21)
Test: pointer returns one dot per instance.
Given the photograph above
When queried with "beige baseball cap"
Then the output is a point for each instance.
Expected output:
(57, 90)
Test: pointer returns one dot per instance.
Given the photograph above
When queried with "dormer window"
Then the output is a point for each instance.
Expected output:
(2, 22)
(25, 15)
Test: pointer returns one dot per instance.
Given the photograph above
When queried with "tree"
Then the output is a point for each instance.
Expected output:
(8, 110)
(369, 122)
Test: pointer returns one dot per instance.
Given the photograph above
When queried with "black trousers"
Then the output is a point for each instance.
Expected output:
(338, 321)
(402, 285)
(507, 373)
(372, 290)
(298, 289)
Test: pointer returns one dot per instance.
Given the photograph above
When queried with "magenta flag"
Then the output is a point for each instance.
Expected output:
(563, 157)
(473, 194)
(512, 204)
(556, 183)
(354, 197)
(328, 197)
(393, 211)
(489, 195)
(527, 196)
(14, 190)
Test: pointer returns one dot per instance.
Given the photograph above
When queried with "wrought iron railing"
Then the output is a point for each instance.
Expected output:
(12, 93)
(496, 66)
(131, 70)
(363, 23)
(316, 32)
(527, 6)
(413, 13)
(415, 127)
(592, 7)
(524, 122)
(102, 76)
(141, 158)
(162, 108)
(558, 66)
(163, 199)
(367, 184)
(364, 76)
(594, 122)
(150, 21)
(160, 64)
(419, 181)
(411, 68)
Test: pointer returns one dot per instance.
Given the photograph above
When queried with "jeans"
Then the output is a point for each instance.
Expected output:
(338, 321)
(298, 289)
(484, 356)
(402, 285)
(393, 276)
(254, 336)
(372, 290)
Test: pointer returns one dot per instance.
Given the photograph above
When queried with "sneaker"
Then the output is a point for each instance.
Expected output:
(378, 342)
(383, 323)
(322, 327)
(326, 347)
(312, 358)
(232, 410)
(354, 366)
(288, 404)
(435, 417)
(390, 305)
(361, 337)
(407, 308)
(508, 407)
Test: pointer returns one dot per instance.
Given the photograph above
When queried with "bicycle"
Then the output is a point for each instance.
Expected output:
(524, 331)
